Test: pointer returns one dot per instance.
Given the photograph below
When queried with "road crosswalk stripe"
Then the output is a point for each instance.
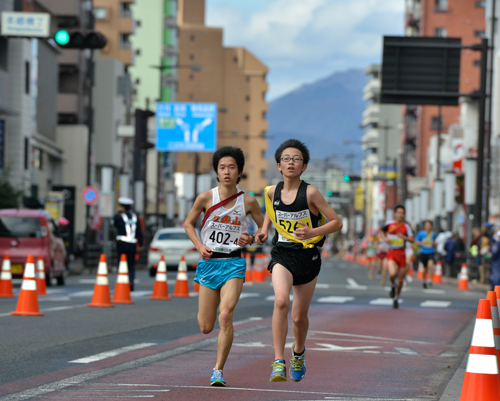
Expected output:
(335, 300)
(109, 354)
(383, 301)
(435, 304)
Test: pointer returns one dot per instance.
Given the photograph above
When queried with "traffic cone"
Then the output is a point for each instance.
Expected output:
(160, 289)
(41, 285)
(122, 286)
(492, 297)
(258, 272)
(248, 271)
(181, 289)
(437, 277)
(6, 279)
(420, 271)
(481, 381)
(463, 278)
(497, 292)
(101, 297)
(265, 264)
(27, 304)
(411, 272)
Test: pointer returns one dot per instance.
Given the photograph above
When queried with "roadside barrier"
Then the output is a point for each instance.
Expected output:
(481, 381)
(41, 284)
(27, 304)
(160, 289)
(258, 271)
(248, 272)
(101, 297)
(492, 297)
(463, 278)
(181, 289)
(437, 277)
(6, 287)
(122, 286)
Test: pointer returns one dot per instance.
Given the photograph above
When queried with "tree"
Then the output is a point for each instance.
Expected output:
(11, 196)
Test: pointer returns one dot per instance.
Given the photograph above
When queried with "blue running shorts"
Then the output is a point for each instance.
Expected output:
(216, 272)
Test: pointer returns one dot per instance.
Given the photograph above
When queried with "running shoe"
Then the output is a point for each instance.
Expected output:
(279, 371)
(298, 365)
(216, 380)
(429, 285)
(395, 304)
(393, 291)
(425, 286)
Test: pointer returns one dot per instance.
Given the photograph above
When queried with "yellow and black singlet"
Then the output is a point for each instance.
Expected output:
(287, 217)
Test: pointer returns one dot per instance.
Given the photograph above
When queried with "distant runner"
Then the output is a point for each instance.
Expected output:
(426, 239)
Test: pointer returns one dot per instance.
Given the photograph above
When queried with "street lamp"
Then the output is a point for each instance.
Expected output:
(416, 209)
(470, 198)
(424, 204)
(449, 201)
(438, 203)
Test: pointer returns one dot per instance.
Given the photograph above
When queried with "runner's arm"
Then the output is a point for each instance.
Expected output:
(262, 235)
(200, 204)
(253, 208)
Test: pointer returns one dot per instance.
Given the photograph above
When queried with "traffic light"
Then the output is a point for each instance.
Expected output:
(141, 142)
(329, 193)
(349, 178)
(80, 39)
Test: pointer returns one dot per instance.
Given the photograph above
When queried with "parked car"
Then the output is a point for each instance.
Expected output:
(172, 243)
(26, 232)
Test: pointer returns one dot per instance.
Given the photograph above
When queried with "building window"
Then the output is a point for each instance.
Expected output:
(247, 98)
(191, 76)
(26, 153)
(477, 63)
(27, 77)
(38, 158)
(191, 56)
(441, 6)
(437, 123)
(191, 38)
(137, 23)
(4, 48)
(125, 10)
(440, 32)
(235, 59)
(125, 41)
(480, 4)
(248, 78)
(138, 52)
(247, 117)
(264, 115)
(191, 95)
(479, 34)
(263, 173)
(100, 13)
(138, 81)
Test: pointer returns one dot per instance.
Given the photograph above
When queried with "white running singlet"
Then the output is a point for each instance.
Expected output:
(224, 226)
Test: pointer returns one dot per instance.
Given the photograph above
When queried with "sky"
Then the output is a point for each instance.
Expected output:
(302, 41)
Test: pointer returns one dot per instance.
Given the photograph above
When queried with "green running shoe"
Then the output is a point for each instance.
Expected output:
(279, 371)
(298, 365)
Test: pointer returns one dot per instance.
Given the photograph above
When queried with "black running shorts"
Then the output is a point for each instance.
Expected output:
(304, 264)
(426, 257)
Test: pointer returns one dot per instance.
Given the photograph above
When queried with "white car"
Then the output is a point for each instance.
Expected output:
(172, 243)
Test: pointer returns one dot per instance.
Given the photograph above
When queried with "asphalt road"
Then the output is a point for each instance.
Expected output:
(358, 346)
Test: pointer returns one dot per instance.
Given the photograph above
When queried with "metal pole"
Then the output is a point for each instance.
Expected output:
(438, 158)
(480, 135)
(490, 94)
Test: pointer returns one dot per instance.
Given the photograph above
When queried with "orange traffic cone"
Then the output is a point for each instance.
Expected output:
(181, 289)
(101, 297)
(463, 278)
(497, 292)
(411, 272)
(420, 271)
(6, 279)
(248, 271)
(265, 264)
(27, 304)
(122, 286)
(41, 285)
(481, 381)
(160, 289)
(492, 297)
(437, 277)
(258, 271)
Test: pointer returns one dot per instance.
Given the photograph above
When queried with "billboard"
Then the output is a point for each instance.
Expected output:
(186, 127)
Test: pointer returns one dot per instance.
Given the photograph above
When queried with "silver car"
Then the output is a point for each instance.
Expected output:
(172, 243)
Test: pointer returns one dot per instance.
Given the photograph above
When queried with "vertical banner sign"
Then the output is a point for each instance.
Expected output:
(182, 127)
(2, 143)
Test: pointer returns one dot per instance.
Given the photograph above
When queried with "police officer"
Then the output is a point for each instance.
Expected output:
(129, 233)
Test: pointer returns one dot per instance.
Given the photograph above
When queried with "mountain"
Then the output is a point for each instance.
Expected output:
(322, 115)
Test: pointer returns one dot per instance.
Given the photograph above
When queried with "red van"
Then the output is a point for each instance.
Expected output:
(26, 232)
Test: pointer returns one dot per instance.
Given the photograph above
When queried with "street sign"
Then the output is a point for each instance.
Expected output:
(34, 25)
(106, 204)
(182, 127)
(90, 195)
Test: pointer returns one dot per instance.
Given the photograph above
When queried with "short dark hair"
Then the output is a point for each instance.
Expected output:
(399, 206)
(429, 221)
(292, 143)
(231, 151)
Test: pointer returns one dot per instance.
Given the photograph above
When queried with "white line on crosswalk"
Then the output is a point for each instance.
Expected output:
(271, 298)
(353, 285)
(335, 300)
(109, 354)
(435, 304)
(383, 301)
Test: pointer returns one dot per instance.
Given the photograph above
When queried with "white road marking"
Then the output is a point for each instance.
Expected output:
(383, 301)
(333, 347)
(404, 289)
(82, 294)
(322, 285)
(433, 291)
(448, 354)
(252, 344)
(334, 300)
(271, 298)
(54, 299)
(353, 285)
(405, 351)
(251, 319)
(138, 294)
(435, 304)
(333, 333)
(109, 354)
(249, 295)
(87, 281)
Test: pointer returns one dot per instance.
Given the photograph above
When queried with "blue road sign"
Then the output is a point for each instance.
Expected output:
(182, 127)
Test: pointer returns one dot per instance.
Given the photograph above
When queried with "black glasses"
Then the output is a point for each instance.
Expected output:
(295, 159)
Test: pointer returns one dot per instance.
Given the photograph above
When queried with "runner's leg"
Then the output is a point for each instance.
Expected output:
(229, 295)
(282, 284)
(430, 269)
(392, 268)
(208, 302)
(302, 296)
(401, 278)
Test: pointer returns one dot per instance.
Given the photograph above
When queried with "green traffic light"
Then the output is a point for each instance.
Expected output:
(62, 37)
(347, 178)
(329, 193)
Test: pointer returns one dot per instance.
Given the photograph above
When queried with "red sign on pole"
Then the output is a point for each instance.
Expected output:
(90, 195)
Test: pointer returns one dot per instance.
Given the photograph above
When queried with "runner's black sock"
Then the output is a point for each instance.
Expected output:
(299, 353)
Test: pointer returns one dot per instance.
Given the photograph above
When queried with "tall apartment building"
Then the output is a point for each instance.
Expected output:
(233, 78)
(443, 18)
